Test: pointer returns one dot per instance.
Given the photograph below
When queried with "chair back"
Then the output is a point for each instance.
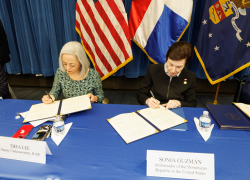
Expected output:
(11, 92)
(238, 92)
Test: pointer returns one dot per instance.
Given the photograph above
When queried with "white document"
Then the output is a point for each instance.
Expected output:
(41, 111)
(58, 139)
(183, 165)
(24, 114)
(38, 122)
(131, 127)
(75, 104)
(244, 107)
(24, 150)
(161, 118)
(71, 105)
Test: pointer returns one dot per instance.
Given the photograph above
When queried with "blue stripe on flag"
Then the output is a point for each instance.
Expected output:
(167, 31)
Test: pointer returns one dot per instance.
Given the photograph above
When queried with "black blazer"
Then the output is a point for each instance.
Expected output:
(159, 83)
(4, 58)
(4, 46)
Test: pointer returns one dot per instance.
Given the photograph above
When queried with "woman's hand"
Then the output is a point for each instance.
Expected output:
(172, 104)
(152, 103)
(47, 100)
(92, 98)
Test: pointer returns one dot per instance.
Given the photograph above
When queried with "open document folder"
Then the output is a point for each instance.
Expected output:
(66, 106)
(245, 108)
(134, 126)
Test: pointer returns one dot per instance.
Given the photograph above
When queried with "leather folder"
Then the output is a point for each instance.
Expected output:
(229, 117)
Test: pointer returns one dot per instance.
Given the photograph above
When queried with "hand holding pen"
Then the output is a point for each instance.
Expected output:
(47, 99)
(152, 102)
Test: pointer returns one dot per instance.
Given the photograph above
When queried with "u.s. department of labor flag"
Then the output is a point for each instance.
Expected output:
(103, 28)
(156, 24)
(223, 43)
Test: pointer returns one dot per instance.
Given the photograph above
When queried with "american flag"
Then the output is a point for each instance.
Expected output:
(103, 28)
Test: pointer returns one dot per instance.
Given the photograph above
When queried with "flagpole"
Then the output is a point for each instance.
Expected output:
(216, 96)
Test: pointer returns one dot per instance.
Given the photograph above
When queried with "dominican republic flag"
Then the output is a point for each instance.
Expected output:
(103, 28)
(156, 24)
(223, 43)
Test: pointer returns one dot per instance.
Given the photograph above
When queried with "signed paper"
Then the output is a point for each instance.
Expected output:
(41, 111)
(38, 122)
(70, 105)
(131, 127)
(75, 104)
(161, 118)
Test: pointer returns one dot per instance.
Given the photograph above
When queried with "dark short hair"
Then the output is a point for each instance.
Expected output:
(179, 51)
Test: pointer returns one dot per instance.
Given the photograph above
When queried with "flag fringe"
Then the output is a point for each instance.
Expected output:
(183, 31)
(222, 78)
(114, 70)
(153, 61)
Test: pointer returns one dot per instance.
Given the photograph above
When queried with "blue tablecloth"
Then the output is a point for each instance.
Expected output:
(92, 149)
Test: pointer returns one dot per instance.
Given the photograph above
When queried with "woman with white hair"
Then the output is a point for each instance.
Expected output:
(74, 77)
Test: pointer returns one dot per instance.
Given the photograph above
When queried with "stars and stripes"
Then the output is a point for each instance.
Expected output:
(103, 28)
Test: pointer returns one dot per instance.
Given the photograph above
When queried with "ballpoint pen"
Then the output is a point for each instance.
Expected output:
(49, 96)
(153, 96)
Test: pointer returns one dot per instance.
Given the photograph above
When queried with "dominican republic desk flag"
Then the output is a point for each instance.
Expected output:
(223, 43)
(156, 24)
(103, 28)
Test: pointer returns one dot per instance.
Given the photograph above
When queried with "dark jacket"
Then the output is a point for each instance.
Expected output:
(4, 58)
(4, 46)
(246, 91)
(159, 83)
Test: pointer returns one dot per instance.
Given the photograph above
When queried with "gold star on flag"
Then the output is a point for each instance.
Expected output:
(248, 44)
(210, 35)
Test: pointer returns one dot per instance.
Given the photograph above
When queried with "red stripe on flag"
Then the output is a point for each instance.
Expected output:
(120, 18)
(86, 45)
(111, 28)
(97, 49)
(102, 36)
(89, 50)
(137, 13)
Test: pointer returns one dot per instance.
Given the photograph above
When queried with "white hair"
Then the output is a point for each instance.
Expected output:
(75, 48)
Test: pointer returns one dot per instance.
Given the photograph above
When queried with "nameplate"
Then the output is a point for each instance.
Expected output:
(24, 150)
(181, 165)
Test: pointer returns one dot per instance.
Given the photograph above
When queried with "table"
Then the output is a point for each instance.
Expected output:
(92, 149)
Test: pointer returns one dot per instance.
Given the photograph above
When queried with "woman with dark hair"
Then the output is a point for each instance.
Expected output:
(171, 84)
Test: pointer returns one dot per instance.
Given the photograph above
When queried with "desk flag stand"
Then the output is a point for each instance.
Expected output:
(216, 96)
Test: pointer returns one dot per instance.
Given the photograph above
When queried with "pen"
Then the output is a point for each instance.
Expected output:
(49, 96)
(153, 96)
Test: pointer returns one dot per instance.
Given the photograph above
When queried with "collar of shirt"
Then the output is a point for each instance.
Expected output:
(166, 71)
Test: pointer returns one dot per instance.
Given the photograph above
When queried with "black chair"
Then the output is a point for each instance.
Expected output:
(238, 92)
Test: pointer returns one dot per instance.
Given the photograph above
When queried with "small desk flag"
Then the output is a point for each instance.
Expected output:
(223, 43)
